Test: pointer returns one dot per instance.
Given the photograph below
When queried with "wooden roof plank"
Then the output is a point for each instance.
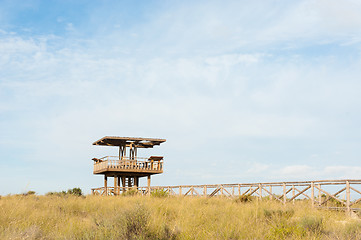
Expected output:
(137, 141)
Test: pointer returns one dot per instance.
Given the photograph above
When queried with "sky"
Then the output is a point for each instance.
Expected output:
(243, 91)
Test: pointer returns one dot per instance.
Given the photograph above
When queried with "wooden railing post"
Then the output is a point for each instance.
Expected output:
(260, 191)
(319, 195)
(284, 193)
(312, 194)
(205, 190)
(293, 194)
(270, 190)
(180, 191)
(348, 197)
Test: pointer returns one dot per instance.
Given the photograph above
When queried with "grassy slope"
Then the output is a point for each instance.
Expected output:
(51, 217)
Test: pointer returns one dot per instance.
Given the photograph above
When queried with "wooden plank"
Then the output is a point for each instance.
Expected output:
(215, 192)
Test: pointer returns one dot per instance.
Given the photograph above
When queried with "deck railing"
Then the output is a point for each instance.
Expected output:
(113, 162)
(331, 194)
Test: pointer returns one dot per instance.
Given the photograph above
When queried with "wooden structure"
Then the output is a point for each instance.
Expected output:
(330, 194)
(127, 167)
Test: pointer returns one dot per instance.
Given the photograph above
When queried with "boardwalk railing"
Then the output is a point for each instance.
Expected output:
(112, 162)
(334, 194)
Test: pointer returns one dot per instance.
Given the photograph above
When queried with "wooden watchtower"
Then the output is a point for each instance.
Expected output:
(127, 167)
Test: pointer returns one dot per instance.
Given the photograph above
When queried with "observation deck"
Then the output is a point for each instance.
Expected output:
(138, 166)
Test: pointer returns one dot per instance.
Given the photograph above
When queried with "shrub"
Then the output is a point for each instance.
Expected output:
(312, 224)
(244, 198)
(159, 193)
(130, 192)
(281, 214)
(29, 193)
(136, 221)
(75, 191)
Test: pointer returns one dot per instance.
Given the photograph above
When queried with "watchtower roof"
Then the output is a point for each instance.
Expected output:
(137, 141)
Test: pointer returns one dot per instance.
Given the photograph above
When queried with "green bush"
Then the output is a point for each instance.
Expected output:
(29, 193)
(130, 192)
(312, 224)
(280, 214)
(75, 192)
(137, 222)
(159, 193)
(244, 198)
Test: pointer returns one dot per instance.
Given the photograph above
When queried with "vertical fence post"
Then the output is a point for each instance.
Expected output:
(260, 191)
(180, 191)
(312, 194)
(284, 193)
(205, 190)
(293, 194)
(319, 195)
(270, 190)
(239, 190)
(348, 199)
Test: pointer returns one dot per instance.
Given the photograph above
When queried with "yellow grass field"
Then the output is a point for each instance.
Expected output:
(136, 217)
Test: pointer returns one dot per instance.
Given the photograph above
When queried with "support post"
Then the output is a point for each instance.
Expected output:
(313, 194)
(293, 194)
(106, 185)
(319, 195)
(123, 181)
(205, 190)
(270, 190)
(284, 193)
(148, 178)
(180, 191)
(348, 197)
(118, 179)
(115, 185)
(260, 191)
(136, 181)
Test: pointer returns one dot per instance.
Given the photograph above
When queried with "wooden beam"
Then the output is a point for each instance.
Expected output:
(106, 185)
(148, 178)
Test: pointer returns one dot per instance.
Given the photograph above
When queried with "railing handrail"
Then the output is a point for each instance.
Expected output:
(128, 164)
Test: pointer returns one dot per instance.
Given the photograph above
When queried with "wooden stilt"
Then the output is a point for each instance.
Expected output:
(106, 185)
(115, 191)
(148, 184)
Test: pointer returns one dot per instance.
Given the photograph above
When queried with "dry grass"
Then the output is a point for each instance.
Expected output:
(136, 217)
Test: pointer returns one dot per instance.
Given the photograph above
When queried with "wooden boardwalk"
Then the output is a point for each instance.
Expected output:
(334, 194)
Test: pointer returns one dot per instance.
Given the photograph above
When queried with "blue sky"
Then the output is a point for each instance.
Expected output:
(243, 91)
